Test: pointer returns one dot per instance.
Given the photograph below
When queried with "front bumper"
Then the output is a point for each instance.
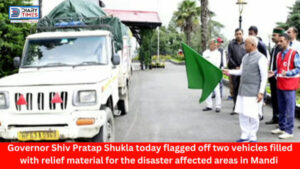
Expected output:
(64, 123)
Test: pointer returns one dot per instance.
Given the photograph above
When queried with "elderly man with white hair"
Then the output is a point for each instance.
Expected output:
(214, 57)
(254, 74)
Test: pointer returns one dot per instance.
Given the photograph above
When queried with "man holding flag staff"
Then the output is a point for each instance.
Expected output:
(254, 74)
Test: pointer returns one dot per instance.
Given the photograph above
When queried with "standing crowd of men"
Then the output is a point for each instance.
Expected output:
(249, 67)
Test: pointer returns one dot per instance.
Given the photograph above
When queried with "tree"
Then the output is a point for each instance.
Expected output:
(213, 30)
(41, 6)
(214, 27)
(175, 37)
(187, 17)
(12, 36)
(204, 23)
(164, 41)
(293, 18)
(145, 49)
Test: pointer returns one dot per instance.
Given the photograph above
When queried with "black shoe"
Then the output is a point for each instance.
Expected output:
(218, 110)
(233, 113)
(272, 122)
(207, 109)
(261, 118)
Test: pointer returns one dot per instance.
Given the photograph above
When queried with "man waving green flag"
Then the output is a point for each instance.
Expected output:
(201, 73)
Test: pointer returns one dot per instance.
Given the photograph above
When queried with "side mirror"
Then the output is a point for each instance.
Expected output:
(17, 62)
(116, 59)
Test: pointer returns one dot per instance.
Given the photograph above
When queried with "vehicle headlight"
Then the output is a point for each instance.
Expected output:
(86, 97)
(3, 100)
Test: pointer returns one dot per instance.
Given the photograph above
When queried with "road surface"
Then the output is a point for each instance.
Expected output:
(163, 109)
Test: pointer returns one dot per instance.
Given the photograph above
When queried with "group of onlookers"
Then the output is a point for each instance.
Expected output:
(249, 66)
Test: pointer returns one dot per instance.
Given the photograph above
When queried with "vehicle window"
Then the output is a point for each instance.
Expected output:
(65, 51)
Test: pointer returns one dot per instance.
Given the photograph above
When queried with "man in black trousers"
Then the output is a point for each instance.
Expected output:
(236, 51)
(273, 82)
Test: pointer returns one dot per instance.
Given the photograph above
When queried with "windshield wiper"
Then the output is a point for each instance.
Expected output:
(55, 64)
(88, 63)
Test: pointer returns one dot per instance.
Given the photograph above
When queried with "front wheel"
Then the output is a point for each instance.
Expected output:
(107, 131)
(123, 104)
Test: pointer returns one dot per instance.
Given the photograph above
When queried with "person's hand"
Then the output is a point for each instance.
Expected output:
(270, 74)
(283, 73)
(225, 72)
(238, 68)
(260, 96)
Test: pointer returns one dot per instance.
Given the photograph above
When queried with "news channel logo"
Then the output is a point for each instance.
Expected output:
(21, 14)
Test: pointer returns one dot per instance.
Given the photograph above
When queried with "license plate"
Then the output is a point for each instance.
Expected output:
(38, 135)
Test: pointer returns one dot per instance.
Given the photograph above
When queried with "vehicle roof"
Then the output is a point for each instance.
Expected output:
(68, 34)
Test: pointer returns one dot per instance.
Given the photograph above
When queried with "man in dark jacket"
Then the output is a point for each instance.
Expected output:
(272, 80)
(236, 51)
(253, 31)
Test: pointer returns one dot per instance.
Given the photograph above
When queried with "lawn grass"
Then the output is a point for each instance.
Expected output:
(177, 60)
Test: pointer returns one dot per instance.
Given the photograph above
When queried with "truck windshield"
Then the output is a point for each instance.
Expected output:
(65, 52)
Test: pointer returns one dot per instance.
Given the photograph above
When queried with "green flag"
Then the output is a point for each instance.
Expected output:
(201, 73)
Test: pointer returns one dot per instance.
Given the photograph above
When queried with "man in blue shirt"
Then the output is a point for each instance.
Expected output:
(288, 69)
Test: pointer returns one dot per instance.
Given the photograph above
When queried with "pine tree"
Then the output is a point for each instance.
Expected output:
(293, 18)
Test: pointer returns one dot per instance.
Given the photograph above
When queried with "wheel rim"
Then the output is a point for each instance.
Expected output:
(109, 130)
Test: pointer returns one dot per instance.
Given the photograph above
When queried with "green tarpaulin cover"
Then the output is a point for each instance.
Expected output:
(201, 73)
(86, 13)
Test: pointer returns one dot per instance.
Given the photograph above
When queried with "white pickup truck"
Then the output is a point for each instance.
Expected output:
(69, 86)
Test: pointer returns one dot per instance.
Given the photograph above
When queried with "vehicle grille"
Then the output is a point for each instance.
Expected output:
(40, 102)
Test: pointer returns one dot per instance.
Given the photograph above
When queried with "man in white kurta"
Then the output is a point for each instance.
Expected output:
(213, 56)
(254, 74)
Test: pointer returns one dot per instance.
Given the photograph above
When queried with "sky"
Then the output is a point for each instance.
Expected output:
(262, 13)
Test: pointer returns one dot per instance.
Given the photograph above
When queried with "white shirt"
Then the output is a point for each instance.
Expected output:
(295, 45)
(263, 69)
(213, 57)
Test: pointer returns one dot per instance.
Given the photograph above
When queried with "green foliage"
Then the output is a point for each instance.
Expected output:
(145, 49)
(12, 36)
(177, 61)
(163, 41)
(298, 97)
(161, 57)
(187, 17)
(170, 38)
(293, 18)
(158, 65)
(214, 29)
(179, 57)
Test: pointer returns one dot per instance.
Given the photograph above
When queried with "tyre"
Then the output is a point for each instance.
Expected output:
(123, 104)
(107, 131)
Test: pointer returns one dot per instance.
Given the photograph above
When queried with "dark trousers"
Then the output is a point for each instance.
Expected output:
(286, 106)
(235, 84)
(221, 88)
(274, 100)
